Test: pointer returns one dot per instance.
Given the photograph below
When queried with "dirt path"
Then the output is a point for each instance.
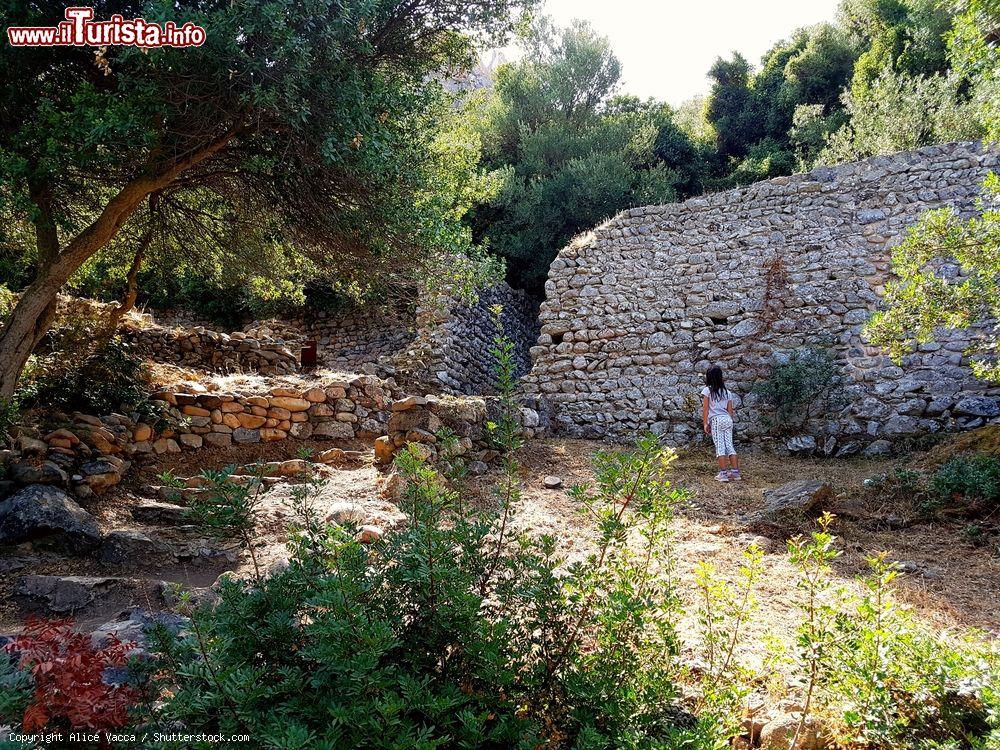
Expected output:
(949, 582)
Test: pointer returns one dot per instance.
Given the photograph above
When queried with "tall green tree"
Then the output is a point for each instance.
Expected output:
(566, 151)
(302, 121)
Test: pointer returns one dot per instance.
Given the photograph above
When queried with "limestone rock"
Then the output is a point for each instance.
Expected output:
(50, 516)
(125, 546)
(778, 733)
(793, 499)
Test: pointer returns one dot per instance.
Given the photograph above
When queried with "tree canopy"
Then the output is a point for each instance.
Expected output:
(301, 125)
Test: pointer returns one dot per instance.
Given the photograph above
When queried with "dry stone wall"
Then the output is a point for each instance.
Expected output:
(452, 348)
(638, 309)
(354, 337)
(205, 348)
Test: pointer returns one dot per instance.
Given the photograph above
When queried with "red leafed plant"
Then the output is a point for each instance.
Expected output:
(68, 673)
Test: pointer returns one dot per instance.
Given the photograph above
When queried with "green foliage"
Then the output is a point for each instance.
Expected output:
(901, 36)
(111, 378)
(887, 679)
(754, 112)
(450, 633)
(305, 132)
(900, 112)
(800, 386)
(227, 509)
(948, 276)
(971, 478)
(563, 150)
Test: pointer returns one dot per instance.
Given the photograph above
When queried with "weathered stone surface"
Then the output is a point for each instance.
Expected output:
(243, 435)
(50, 516)
(150, 511)
(334, 430)
(384, 450)
(978, 406)
(290, 403)
(69, 594)
(793, 499)
(126, 546)
(552, 482)
(47, 472)
(778, 733)
(639, 308)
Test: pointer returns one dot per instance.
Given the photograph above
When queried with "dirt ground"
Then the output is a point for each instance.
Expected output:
(949, 581)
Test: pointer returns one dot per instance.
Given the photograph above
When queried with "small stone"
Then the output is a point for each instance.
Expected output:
(384, 450)
(552, 482)
(290, 403)
(410, 402)
(190, 440)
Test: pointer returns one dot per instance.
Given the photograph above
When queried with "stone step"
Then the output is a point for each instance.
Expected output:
(152, 511)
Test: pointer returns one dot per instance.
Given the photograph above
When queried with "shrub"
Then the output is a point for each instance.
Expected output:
(972, 479)
(111, 378)
(66, 683)
(451, 631)
(883, 677)
(799, 387)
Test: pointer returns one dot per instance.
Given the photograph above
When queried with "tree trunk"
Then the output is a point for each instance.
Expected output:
(32, 315)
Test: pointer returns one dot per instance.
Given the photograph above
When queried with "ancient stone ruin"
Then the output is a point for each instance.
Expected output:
(637, 309)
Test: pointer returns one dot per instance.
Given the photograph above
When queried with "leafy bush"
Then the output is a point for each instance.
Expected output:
(111, 378)
(799, 387)
(973, 479)
(454, 630)
(885, 678)
(66, 688)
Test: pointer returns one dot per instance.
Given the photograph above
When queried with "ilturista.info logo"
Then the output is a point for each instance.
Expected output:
(81, 30)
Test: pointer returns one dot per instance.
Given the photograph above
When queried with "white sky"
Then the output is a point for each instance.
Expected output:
(667, 46)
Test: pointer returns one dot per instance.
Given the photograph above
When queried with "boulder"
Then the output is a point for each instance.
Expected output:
(804, 444)
(47, 514)
(794, 498)
(978, 406)
(45, 473)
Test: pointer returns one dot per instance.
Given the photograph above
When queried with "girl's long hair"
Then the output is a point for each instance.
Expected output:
(715, 382)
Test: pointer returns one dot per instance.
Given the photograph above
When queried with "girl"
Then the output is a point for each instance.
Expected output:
(717, 416)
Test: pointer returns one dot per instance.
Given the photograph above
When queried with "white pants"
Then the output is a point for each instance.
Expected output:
(722, 435)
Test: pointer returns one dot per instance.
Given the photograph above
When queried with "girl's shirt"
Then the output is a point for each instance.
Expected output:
(717, 407)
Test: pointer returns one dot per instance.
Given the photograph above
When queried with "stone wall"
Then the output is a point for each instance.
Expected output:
(88, 453)
(357, 336)
(638, 309)
(204, 348)
(452, 349)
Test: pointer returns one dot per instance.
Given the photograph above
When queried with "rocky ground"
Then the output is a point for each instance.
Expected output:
(154, 550)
